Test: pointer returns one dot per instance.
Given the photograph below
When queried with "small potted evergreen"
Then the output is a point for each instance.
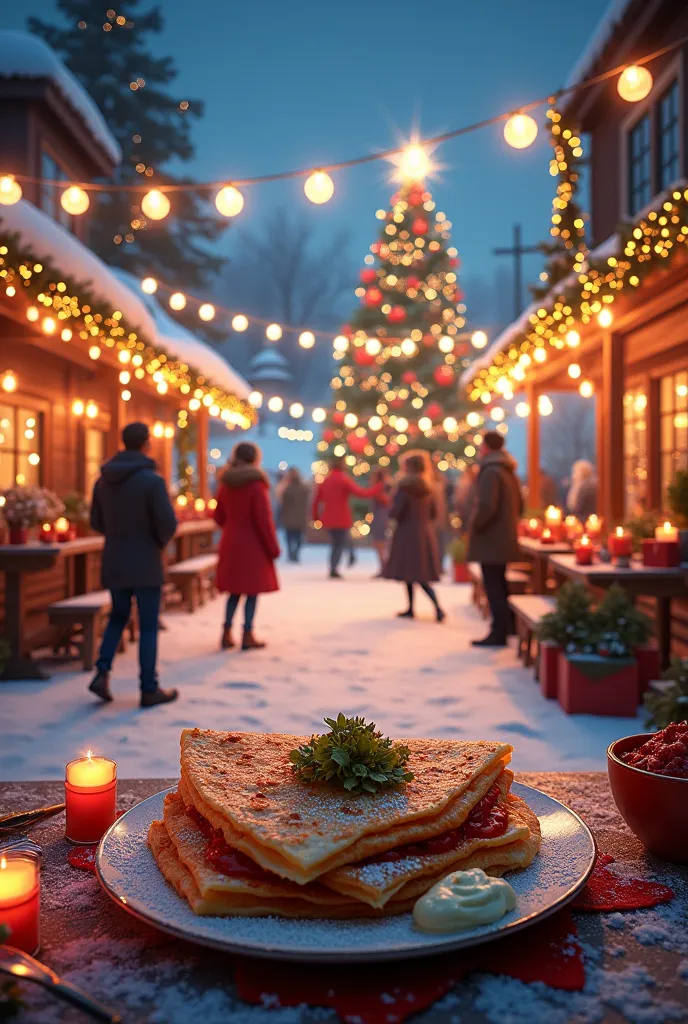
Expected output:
(457, 552)
(667, 699)
(568, 623)
(77, 512)
(598, 674)
(677, 498)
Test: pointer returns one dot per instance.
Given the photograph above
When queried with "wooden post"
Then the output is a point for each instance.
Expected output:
(202, 452)
(533, 446)
(612, 400)
(653, 492)
(113, 439)
(601, 455)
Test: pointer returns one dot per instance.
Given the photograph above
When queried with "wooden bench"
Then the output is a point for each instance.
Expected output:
(87, 611)
(190, 575)
(517, 582)
(528, 610)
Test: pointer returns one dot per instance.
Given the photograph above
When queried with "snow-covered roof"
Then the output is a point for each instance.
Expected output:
(598, 41)
(269, 364)
(519, 326)
(49, 240)
(23, 55)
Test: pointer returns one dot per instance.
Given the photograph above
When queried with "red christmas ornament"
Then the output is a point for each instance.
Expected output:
(373, 297)
(347, 330)
(328, 435)
(368, 275)
(408, 377)
(357, 443)
(419, 226)
(443, 375)
(412, 282)
(391, 448)
(461, 349)
(338, 418)
(415, 199)
(454, 261)
(363, 358)
(429, 340)
(434, 411)
(412, 429)
(375, 247)
(397, 403)
(396, 315)
(458, 295)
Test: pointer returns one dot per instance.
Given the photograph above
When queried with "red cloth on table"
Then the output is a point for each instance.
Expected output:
(606, 891)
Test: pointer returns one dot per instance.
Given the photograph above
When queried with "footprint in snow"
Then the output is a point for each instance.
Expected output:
(520, 728)
(341, 654)
(441, 701)
(241, 686)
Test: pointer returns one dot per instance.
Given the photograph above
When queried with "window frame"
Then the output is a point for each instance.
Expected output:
(17, 403)
(55, 212)
(673, 86)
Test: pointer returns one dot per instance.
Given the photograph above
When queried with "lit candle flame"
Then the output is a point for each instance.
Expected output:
(89, 754)
(667, 525)
(619, 531)
(3, 863)
(585, 540)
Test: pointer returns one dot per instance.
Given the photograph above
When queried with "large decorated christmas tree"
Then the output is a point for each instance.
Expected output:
(403, 351)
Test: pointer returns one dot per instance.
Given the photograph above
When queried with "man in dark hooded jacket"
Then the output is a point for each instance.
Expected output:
(132, 509)
(493, 530)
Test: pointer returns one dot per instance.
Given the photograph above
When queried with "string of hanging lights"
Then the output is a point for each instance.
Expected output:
(634, 83)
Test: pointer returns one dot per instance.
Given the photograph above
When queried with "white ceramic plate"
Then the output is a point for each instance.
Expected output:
(127, 871)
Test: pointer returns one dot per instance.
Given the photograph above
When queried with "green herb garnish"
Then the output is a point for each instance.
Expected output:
(354, 755)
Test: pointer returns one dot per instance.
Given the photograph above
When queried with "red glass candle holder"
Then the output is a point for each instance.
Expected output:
(20, 899)
(620, 545)
(583, 553)
(661, 554)
(91, 799)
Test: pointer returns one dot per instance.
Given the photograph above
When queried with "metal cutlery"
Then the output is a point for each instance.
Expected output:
(22, 819)
(23, 967)
(19, 844)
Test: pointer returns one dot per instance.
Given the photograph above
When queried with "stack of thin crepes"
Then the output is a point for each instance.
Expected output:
(244, 835)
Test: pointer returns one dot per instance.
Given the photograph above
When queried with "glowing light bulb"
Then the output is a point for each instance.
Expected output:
(255, 399)
(351, 420)
(206, 311)
(296, 410)
(474, 419)
(635, 83)
(275, 404)
(373, 346)
(319, 187)
(125, 395)
(91, 410)
(49, 325)
(545, 406)
(74, 200)
(229, 201)
(522, 409)
(574, 371)
(78, 407)
(414, 163)
(375, 423)
(194, 404)
(239, 322)
(319, 415)
(446, 344)
(520, 131)
(340, 343)
(10, 190)
(497, 414)
(306, 339)
(573, 339)
(605, 318)
(94, 352)
(425, 423)
(450, 424)
(66, 334)
(273, 332)
(586, 388)
(478, 339)
(409, 347)
(155, 204)
(149, 285)
(124, 355)
(124, 377)
(486, 397)
(9, 381)
(177, 300)
(539, 355)
(32, 314)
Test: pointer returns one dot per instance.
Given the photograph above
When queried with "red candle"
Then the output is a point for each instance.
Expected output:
(583, 551)
(534, 528)
(20, 899)
(593, 526)
(47, 533)
(620, 543)
(546, 536)
(91, 796)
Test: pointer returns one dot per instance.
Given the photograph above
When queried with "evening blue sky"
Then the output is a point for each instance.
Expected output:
(290, 85)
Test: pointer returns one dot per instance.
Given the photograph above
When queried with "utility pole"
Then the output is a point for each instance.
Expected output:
(517, 251)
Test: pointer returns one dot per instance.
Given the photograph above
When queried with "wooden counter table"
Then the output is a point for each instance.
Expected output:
(664, 585)
(538, 553)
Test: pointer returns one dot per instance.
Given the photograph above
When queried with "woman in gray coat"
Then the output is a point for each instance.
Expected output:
(293, 512)
(413, 556)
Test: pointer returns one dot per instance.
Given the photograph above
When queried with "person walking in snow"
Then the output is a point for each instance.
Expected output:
(380, 523)
(331, 508)
(413, 556)
(248, 546)
(493, 531)
(132, 509)
(293, 511)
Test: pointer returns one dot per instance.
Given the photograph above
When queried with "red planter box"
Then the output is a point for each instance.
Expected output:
(549, 668)
(649, 667)
(461, 573)
(592, 685)
(661, 554)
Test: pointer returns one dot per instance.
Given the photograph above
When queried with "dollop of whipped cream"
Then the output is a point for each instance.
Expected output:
(463, 900)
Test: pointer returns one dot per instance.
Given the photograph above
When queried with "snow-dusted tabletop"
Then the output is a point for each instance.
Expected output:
(636, 962)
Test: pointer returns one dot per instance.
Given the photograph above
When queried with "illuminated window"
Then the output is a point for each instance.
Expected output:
(635, 451)
(668, 137)
(49, 195)
(94, 457)
(20, 446)
(639, 165)
(673, 427)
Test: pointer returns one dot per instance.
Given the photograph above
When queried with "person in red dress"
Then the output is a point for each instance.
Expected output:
(331, 507)
(249, 546)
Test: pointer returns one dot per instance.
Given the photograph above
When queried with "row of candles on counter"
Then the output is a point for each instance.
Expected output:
(663, 551)
(90, 798)
(61, 530)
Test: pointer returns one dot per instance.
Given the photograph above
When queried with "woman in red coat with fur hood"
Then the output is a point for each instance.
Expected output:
(249, 545)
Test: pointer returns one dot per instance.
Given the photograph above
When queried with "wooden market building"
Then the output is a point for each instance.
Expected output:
(82, 350)
(629, 308)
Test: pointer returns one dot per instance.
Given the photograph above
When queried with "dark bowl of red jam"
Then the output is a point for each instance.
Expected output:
(653, 804)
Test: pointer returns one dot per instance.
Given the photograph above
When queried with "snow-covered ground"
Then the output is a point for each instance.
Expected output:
(332, 646)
